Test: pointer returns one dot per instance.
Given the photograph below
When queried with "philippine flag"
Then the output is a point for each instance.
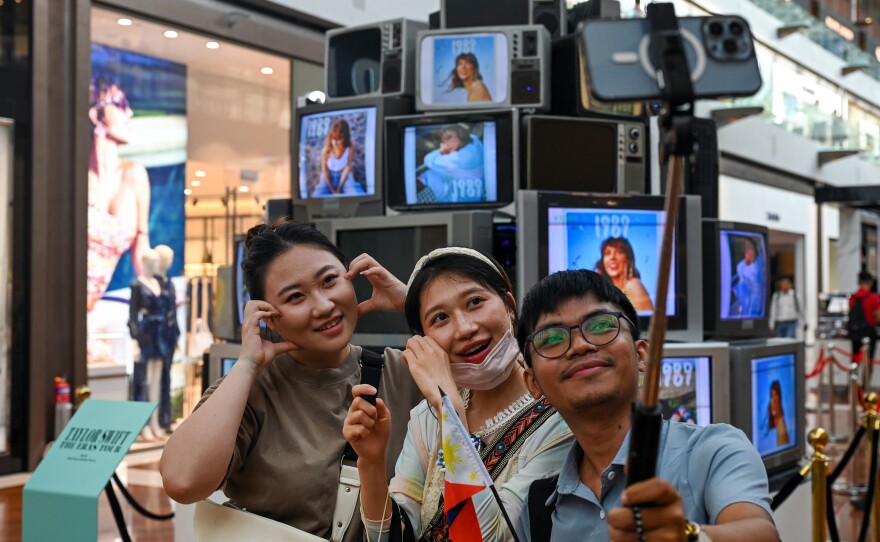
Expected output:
(465, 476)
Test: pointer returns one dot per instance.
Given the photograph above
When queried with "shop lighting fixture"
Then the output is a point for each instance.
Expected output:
(212, 45)
(200, 173)
(124, 22)
(170, 34)
(187, 191)
(266, 70)
(196, 183)
(244, 188)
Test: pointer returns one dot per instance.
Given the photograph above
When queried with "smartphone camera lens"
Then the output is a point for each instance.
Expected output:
(730, 46)
(716, 28)
(736, 28)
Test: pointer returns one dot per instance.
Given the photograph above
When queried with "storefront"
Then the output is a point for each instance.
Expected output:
(130, 132)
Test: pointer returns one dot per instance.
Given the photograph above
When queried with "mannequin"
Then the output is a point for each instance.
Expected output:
(146, 323)
(170, 332)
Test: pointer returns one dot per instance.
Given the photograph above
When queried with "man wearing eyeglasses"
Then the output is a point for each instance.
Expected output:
(583, 352)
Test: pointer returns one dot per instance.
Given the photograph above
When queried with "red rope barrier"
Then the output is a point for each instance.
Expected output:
(855, 357)
(819, 367)
(861, 396)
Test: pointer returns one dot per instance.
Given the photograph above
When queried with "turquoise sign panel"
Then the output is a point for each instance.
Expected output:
(61, 498)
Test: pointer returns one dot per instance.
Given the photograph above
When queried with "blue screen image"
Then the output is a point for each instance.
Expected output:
(774, 413)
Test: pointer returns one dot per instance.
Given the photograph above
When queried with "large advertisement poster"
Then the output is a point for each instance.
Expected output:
(137, 108)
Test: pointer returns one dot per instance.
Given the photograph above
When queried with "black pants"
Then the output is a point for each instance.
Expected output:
(857, 345)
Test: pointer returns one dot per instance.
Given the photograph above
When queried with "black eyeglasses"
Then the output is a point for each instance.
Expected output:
(598, 329)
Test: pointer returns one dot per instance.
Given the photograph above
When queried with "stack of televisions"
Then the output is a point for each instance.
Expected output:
(451, 129)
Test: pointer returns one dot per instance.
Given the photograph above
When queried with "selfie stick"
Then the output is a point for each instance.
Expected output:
(673, 75)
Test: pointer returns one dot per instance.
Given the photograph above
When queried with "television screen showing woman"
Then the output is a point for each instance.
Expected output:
(465, 68)
(743, 275)
(774, 424)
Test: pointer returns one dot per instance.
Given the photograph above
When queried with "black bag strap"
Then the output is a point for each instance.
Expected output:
(371, 373)
(540, 513)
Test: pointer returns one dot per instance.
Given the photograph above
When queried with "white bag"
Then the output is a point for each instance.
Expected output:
(200, 339)
(217, 523)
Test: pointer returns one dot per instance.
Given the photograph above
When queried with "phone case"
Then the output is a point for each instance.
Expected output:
(720, 51)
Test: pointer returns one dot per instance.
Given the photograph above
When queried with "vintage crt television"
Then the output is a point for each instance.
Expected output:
(619, 236)
(398, 244)
(767, 398)
(451, 161)
(466, 14)
(221, 358)
(585, 154)
(339, 154)
(372, 59)
(480, 68)
(736, 286)
(695, 383)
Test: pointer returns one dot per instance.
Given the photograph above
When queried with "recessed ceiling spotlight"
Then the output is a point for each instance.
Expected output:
(187, 191)
(244, 188)
(124, 22)
(212, 45)
(196, 183)
(170, 34)
(200, 173)
(266, 70)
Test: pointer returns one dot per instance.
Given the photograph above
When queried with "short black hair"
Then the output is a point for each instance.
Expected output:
(482, 273)
(265, 243)
(865, 276)
(546, 296)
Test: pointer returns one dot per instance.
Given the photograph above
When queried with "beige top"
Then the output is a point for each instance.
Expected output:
(285, 464)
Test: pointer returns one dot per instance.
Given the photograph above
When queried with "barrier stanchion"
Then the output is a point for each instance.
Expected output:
(818, 439)
(851, 485)
(834, 436)
(872, 427)
(867, 365)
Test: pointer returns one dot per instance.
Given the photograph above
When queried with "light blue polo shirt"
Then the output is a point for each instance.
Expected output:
(711, 467)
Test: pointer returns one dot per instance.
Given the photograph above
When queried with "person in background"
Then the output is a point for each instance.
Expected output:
(864, 313)
(785, 310)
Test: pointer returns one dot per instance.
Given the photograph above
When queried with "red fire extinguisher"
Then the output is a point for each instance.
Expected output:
(63, 406)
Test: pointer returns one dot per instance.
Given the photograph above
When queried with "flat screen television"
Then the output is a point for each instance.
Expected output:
(736, 289)
(338, 146)
(398, 244)
(620, 237)
(242, 296)
(225, 324)
(695, 383)
(221, 358)
(449, 161)
(767, 391)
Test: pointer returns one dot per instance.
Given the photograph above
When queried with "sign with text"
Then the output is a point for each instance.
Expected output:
(61, 498)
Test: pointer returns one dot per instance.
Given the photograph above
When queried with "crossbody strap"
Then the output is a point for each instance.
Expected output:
(349, 481)
(540, 513)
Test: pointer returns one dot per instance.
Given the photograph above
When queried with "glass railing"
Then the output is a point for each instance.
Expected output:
(790, 13)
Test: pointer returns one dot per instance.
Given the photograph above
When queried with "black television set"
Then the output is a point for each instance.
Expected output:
(736, 290)
(451, 161)
(695, 383)
(768, 396)
(371, 59)
(619, 236)
(398, 244)
(338, 146)
(585, 154)
(221, 358)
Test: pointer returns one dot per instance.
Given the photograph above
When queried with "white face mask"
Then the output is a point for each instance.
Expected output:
(493, 370)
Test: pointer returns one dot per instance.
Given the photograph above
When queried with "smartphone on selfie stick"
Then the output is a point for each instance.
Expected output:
(675, 62)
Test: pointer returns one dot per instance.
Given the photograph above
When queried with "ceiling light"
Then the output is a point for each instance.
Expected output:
(244, 188)
(196, 183)
(212, 45)
(266, 70)
(170, 34)
(200, 173)
(124, 22)
(187, 191)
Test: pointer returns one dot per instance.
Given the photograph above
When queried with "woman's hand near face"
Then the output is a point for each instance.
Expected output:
(389, 294)
(429, 366)
(367, 428)
(255, 348)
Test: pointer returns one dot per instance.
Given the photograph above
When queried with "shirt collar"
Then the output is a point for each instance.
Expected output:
(569, 475)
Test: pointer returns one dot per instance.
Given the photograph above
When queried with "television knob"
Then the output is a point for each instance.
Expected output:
(634, 133)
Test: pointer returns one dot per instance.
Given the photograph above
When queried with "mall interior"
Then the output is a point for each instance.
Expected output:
(140, 141)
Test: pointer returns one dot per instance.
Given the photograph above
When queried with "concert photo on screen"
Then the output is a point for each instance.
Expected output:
(685, 394)
(774, 425)
(337, 154)
(621, 244)
(458, 69)
(743, 278)
(450, 163)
